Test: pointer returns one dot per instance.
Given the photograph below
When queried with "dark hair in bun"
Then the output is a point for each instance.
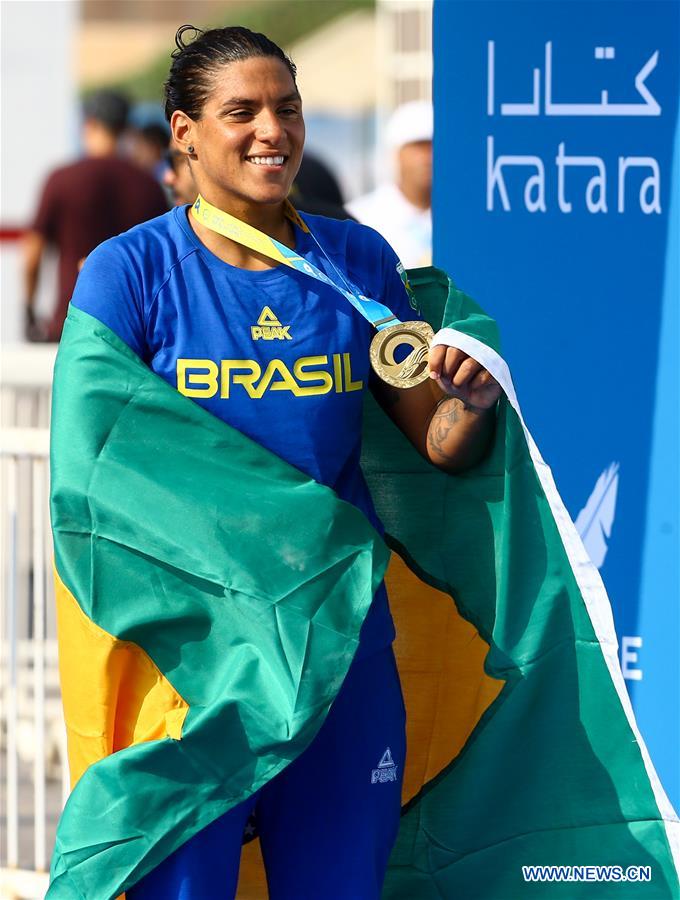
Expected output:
(195, 62)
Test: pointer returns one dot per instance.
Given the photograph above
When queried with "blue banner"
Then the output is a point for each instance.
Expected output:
(556, 206)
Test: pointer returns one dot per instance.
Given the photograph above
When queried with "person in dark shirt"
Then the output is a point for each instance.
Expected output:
(316, 190)
(85, 203)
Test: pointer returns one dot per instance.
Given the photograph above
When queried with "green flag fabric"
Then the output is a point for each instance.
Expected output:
(210, 598)
(555, 773)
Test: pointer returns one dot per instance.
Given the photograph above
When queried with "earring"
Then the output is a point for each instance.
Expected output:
(190, 148)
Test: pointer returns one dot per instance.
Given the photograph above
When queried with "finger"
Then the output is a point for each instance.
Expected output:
(466, 371)
(454, 357)
(436, 360)
(483, 378)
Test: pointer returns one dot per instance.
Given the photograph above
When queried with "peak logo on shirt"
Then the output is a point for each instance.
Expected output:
(269, 328)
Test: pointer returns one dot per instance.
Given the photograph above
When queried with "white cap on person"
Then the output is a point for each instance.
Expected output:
(410, 122)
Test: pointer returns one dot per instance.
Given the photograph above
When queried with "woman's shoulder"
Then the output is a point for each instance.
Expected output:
(154, 233)
(147, 249)
(122, 276)
(343, 236)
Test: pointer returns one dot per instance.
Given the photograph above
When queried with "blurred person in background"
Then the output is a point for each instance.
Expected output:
(316, 190)
(401, 210)
(83, 204)
(147, 147)
(177, 177)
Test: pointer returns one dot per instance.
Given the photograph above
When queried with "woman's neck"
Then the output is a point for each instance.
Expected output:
(268, 218)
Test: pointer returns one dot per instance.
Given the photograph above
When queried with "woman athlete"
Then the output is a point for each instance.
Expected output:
(284, 358)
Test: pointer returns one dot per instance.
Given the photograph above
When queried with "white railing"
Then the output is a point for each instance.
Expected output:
(33, 770)
(26, 385)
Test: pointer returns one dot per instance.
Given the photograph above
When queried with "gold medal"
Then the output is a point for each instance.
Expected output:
(410, 371)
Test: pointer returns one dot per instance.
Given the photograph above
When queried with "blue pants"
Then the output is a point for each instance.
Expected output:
(327, 823)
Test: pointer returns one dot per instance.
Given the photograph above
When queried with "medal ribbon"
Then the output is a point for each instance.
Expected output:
(230, 227)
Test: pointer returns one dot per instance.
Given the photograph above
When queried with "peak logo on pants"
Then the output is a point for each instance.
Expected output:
(386, 771)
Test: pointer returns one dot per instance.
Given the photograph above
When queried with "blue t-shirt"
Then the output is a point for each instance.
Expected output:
(276, 354)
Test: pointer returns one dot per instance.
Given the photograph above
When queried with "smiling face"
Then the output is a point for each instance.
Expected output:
(249, 138)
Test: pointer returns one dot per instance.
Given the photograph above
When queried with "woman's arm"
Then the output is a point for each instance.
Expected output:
(449, 418)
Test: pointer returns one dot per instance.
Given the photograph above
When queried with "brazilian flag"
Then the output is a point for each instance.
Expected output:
(210, 598)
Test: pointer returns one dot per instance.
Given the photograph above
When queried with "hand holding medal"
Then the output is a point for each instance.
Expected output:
(456, 373)
(462, 376)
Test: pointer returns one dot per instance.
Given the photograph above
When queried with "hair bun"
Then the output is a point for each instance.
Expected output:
(180, 43)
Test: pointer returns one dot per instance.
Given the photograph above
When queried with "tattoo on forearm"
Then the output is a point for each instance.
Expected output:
(445, 416)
